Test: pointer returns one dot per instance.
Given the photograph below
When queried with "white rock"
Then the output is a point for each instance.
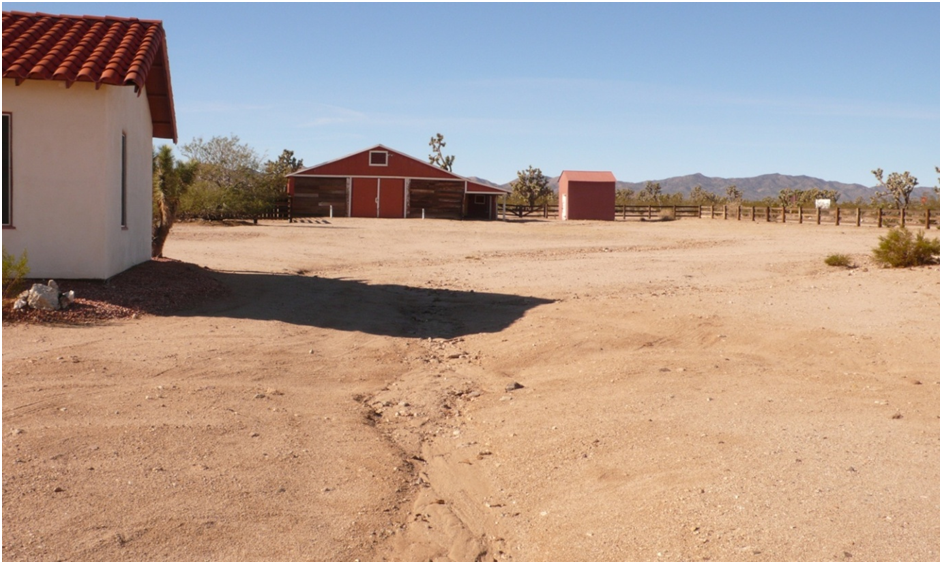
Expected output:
(43, 297)
(65, 300)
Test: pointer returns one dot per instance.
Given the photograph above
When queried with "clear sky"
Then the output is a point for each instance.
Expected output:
(648, 91)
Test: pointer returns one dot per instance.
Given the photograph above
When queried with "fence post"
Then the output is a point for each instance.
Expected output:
(858, 217)
(753, 213)
(801, 216)
(712, 210)
(290, 200)
(674, 212)
(902, 217)
(649, 211)
(738, 212)
(545, 214)
(725, 212)
(624, 211)
(783, 214)
(818, 215)
(768, 214)
(837, 216)
(879, 217)
(928, 220)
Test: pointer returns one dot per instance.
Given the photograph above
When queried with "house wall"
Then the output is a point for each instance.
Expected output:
(66, 181)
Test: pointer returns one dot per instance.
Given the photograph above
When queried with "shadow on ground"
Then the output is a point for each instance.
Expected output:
(378, 309)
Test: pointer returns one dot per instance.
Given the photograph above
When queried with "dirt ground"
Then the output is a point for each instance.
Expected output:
(529, 390)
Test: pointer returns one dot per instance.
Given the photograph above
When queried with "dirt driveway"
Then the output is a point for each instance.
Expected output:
(413, 390)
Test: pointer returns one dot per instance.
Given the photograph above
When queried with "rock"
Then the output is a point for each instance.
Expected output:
(65, 300)
(513, 386)
(43, 297)
(52, 284)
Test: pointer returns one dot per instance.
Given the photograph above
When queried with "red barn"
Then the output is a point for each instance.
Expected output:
(587, 195)
(381, 182)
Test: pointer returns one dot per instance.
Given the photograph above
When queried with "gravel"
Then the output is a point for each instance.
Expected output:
(157, 287)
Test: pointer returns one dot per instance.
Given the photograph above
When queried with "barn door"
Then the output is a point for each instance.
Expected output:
(392, 197)
(364, 197)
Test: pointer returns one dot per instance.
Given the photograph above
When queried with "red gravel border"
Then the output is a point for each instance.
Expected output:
(157, 287)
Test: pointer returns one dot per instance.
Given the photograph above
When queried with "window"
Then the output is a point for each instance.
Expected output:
(7, 172)
(479, 200)
(379, 158)
(124, 179)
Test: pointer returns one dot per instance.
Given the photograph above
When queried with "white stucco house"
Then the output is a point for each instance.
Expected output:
(83, 98)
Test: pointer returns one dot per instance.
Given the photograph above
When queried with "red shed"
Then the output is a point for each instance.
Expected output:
(587, 195)
(381, 182)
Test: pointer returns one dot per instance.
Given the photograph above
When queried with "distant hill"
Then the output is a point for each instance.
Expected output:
(757, 187)
(753, 188)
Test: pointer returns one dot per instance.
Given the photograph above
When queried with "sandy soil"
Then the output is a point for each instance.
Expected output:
(413, 390)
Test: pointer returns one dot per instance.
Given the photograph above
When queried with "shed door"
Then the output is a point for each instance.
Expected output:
(392, 197)
(364, 197)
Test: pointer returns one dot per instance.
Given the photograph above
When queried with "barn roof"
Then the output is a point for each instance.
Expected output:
(403, 166)
(97, 49)
(479, 188)
(588, 175)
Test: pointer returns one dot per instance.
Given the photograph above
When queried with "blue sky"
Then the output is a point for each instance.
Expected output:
(647, 91)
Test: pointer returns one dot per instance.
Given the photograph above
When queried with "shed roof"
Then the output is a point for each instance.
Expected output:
(587, 175)
(97, 49)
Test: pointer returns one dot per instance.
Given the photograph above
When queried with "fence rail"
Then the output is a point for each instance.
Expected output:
(623, 212)
(878, 217)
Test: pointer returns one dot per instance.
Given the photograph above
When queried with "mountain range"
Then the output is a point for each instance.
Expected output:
(752, 188)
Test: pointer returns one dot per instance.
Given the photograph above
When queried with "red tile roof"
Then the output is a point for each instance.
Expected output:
(101, 50)
(588, 175)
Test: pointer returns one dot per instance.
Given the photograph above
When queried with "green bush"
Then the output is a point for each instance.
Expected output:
(15, 271)
(900, 249)
(839, 260)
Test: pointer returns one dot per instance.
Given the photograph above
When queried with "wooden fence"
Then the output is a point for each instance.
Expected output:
(877, 217)
(623, 212)
(281, 209)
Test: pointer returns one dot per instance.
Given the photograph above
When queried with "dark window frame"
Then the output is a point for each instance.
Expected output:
(385, 155)
(7, 169)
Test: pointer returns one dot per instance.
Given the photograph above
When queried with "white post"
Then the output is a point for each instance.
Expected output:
(504, 201)
(423, 213)
(331, 211)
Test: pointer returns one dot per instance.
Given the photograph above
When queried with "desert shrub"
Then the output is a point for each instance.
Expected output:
(900, 248)
(838, 260)
(666, 214)
(15, 271)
